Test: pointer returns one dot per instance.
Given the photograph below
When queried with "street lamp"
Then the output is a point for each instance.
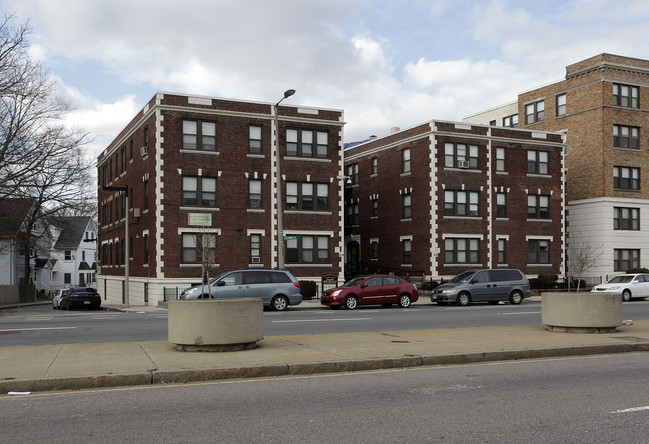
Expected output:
(126, 250)
(280, 206)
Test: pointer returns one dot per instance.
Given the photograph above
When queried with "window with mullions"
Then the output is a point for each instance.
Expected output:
(461, 203)
(511, 121)
(255, 248)
(375, 165)
(538, 206)
(374, 250)
(352, 214)
(308, 250)
(537, 162)
(307, 196)
(301, 143)
(254, 194)
(626, 178)
(375, 207)
(626, 218)
(561, 104)
(626, 137)
(626, 95)
(462, 251)
(502, 251)
(406, 251)
(624, 260)
(501, 205)
(460, 155)
(352, 174)
(500, 159)
(538, 251)
(406, 201)
(405, 161)
(199, 191)
(199, 135)
(254, 139)
(535, 112)
(195, 245)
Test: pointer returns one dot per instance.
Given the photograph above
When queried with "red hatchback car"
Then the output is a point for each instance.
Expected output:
(372, 290)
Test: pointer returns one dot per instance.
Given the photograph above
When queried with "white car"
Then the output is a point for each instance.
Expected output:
(630, 286)
(56, 300)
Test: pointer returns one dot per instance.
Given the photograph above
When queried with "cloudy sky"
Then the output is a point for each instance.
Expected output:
(384, 62)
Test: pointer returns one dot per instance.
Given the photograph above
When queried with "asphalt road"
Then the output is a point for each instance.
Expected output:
(594, 399)
(42, 325)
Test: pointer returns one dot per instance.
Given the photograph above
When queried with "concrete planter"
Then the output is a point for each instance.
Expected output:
(581, 312)
(216, 325)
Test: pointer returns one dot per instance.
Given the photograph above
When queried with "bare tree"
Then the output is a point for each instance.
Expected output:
(206, 241)
(585, 255)
(40, 157)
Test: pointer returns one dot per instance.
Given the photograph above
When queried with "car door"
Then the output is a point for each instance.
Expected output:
(390, 289)
(643, 285)
(229, 286)
(480, 286)
(370, 291)
(258, 284)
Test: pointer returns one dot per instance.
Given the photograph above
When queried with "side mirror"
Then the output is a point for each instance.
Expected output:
(363, 285)
(220, 284)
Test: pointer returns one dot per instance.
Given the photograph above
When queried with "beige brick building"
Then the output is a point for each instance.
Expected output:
(602, 107)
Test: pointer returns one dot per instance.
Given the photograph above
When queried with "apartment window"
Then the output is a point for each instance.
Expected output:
(146, 249)
(626, 178)
(375, 165)
(561, 105)
(123, 159)
(352, 214)
(462, 251)
(83, 256)
(500, 159)
(537, 162)
(199, 191)
(195, 245)
(254, 139)
(460, 155)
(104, 254)
(626, 95)
(307, 196)
(406, 251)
(199, 135)
(624, 260)
(502, 251)
(375, 207)
(300, 143)
(68, 255)
(501, 205)
(146, 195)
(130, 149)
(352, 173)
(535, 112)
(67, 278)
(254, 193)
(322, 144)
(406, 200)
(461, 203)
(405, 161)
(538, 251)
(123, 205)
(308, 250)
(511, 121)
(374, 250)
(255, 248)
(538, 206)
(626, 137)
(146, 136)
(626, 218)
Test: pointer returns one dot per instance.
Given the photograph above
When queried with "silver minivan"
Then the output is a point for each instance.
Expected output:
(483, 286)
(276, 288)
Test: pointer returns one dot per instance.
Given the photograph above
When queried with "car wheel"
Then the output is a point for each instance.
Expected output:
(516, 297)
(463, 298)
(404, 301)
(626, 295)
(279, 303)
(351, 302)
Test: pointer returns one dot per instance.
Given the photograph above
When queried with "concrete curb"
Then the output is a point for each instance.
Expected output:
(155, 377)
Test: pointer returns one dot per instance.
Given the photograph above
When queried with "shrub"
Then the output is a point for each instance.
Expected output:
(638, 270)
(548, 280)
(308, 289)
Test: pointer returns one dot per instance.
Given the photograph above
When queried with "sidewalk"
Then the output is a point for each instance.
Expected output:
(81, 366)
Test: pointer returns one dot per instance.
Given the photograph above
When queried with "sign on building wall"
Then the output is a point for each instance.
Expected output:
(200, 219)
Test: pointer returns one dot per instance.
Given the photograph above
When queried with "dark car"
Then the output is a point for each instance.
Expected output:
(81, 297)
(490, 286)
(372, 290)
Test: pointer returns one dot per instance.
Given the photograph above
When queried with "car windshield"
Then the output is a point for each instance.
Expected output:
(353, 282)
(621, 280)
(463, 277)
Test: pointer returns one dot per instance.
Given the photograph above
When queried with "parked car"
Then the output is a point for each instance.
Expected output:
(56, 299)
(81, 297)
(484, 286)
(371, 290)
(630, 286)
(276, 288)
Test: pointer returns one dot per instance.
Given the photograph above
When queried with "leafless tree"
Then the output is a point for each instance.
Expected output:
(40, 157)
(585, 254)
(206, 242)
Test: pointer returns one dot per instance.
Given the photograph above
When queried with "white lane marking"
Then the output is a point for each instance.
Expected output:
(326, 320)
(39, 328)
(634, 409)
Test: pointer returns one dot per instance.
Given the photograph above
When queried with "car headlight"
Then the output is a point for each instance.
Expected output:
(190, 291)
(449, 291)
(336, 293)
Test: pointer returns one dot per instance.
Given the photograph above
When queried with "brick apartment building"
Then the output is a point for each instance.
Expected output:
(442, 197)
(202, 171)
(603, 108)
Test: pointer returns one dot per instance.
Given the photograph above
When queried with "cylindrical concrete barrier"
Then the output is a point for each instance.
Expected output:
(581, 312)
(216, 324)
